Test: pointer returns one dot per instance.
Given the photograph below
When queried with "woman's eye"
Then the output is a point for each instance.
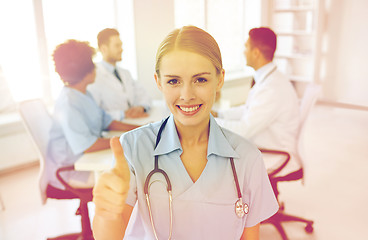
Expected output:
(173, 81)
(201, 80)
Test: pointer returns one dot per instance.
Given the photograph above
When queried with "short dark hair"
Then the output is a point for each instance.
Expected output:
(265, 40)
(103, 37)
(73, 60)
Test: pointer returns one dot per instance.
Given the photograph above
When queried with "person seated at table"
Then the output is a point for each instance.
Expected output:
(114, 89)
(270, 116)
(77, 121)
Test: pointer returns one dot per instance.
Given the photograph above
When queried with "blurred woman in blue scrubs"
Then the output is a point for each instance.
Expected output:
(78, 121)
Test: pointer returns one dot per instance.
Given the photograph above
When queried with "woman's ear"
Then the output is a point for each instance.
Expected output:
(158, 82)
(221, 79)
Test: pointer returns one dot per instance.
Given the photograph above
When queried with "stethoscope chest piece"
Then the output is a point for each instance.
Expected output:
(241, 208)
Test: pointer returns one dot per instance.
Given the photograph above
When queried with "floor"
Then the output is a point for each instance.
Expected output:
(334, 194)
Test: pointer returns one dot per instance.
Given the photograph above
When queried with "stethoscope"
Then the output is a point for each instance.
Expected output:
(240, 208)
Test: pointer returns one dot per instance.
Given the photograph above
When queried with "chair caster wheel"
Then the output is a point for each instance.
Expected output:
(309, 228)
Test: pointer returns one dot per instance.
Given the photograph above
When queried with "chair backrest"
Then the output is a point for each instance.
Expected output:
(37, 121)
(306, 104)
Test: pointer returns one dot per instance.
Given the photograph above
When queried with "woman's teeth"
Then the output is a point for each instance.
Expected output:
(189, 109)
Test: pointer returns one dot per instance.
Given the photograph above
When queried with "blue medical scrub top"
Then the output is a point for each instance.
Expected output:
(204, 209)
(77, 123)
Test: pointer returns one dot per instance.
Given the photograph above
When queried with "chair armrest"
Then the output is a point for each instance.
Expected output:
(293, 176)
(60, 178)
(277, 152)
(83, 193)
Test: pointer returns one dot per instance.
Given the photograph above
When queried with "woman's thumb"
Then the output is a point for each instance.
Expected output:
(121, 167)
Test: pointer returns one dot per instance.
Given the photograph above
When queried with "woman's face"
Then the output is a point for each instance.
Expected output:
(189, 83)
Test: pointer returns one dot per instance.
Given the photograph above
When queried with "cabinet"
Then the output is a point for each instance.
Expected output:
(297, 24)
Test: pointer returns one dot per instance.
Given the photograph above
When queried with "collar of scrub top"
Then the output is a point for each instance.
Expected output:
(75, 92)
(217, 142)
(260, 74)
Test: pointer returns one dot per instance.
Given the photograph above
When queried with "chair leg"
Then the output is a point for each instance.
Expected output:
(86, 233)
(281, 230)
(277, 224)
(85, 221)
(72, 236)
(280, 217)
(283, 217)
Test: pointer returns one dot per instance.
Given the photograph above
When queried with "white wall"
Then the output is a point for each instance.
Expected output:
(346, 69)
(154, 19)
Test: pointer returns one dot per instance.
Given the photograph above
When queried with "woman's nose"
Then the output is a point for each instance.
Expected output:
(187, 92)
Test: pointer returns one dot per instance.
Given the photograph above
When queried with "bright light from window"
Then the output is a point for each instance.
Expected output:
(19, 54)
(82, 20)
(70, 19)
(62, 20)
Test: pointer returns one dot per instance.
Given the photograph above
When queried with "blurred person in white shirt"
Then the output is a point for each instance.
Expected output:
(270, 116)
(114, 89)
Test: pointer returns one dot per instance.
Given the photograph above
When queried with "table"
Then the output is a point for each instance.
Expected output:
(158, 111)
(95, 161)
(103, 160)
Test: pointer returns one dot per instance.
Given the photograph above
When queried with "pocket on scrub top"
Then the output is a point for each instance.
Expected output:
(220, 215)
(207, 219)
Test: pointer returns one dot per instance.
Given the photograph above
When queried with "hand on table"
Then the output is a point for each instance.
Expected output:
(136, 112)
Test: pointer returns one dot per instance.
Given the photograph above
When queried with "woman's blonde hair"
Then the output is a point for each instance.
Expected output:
(193, 39)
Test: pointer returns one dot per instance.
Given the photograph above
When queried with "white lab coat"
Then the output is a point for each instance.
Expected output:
(112, 95)
(270, 117)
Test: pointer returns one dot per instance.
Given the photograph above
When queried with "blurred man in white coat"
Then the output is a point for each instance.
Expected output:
(270, 116)
(114, 89)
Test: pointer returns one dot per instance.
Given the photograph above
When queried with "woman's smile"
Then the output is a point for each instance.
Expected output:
(189, 109)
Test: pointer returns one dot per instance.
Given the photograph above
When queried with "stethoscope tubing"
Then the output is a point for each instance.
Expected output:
(156, 169)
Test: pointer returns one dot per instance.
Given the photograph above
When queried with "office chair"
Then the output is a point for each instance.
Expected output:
(38, 122)
(306, 104)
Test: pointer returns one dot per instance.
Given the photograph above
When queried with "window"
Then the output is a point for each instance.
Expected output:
(227, 21)
(82, 20)
(31, 32)
(19, 58)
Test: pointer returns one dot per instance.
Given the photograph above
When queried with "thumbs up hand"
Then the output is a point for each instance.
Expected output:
(110, 191)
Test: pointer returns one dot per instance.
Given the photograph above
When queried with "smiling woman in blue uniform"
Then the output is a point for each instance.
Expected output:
(193, 151)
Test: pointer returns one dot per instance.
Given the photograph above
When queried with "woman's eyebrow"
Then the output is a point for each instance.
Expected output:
(195, 75)
(200, 74)
(171, 76)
